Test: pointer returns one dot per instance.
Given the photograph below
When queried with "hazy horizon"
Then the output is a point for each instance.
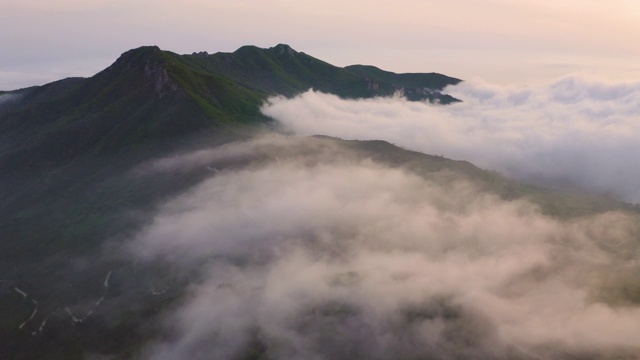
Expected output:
(503, 42)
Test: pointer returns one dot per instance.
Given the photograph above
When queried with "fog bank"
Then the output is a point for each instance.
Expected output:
(574, 131)
(319, 255)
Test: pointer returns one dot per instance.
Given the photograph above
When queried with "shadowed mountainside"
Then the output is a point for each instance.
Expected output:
(57, 237)
(149, 96)
(86, 164)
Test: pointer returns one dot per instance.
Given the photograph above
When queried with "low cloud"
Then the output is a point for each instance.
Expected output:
(570, 132)
(5, 98)
(321, 255)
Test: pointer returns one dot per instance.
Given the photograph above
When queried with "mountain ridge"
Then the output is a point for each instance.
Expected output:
(150, 96)
(87, 165)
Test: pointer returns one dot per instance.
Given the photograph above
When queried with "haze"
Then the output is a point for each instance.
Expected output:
(499, 41)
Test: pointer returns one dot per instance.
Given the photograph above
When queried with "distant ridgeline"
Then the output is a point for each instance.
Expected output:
(149, 96)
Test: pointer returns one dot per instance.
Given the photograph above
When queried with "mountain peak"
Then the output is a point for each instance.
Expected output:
(143, 52)
(149, 95)
(284, 49)
(151, 63)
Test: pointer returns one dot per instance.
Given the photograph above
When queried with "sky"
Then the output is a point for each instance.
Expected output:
(499, 41)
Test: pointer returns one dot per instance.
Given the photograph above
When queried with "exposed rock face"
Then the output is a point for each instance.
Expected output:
(159, 79)
(284, 49)
(148, 62)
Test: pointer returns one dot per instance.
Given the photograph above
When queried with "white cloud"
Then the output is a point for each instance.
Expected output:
(319, 255)
(572, 130)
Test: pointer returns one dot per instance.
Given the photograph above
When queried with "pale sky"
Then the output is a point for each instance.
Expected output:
(515, 41)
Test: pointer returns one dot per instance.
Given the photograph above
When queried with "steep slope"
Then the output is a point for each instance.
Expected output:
(146, 96)
(69, 183)
(149, 96)
(282, 70)
(414, 86)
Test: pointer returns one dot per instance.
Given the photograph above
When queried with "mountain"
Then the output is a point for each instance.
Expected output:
(65, 240)
(68, 184)
(89, 167)
(150, 96)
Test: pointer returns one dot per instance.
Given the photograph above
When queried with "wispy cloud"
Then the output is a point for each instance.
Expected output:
(8, 97)
(573, 130)
(319, 255)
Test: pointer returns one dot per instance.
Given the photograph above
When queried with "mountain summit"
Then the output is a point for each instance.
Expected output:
(146, 214)
(150, 96)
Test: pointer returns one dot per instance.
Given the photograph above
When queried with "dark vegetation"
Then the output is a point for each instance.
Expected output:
(67, 151)
(149, 96)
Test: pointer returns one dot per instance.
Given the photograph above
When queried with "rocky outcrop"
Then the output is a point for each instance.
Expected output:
(159, 79)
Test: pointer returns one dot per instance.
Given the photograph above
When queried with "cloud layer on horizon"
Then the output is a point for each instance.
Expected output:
(569, 132)
(318, 255)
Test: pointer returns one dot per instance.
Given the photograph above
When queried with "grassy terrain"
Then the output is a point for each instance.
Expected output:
(70, 182)
(150, 96)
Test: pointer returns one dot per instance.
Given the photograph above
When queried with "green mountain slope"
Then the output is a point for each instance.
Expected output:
(81, 173)
(146, 96)
(149, 96)
(414, 86)
(282, 70)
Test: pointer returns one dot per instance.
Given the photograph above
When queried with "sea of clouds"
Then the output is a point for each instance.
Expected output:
(573, 132)
(313, 253)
